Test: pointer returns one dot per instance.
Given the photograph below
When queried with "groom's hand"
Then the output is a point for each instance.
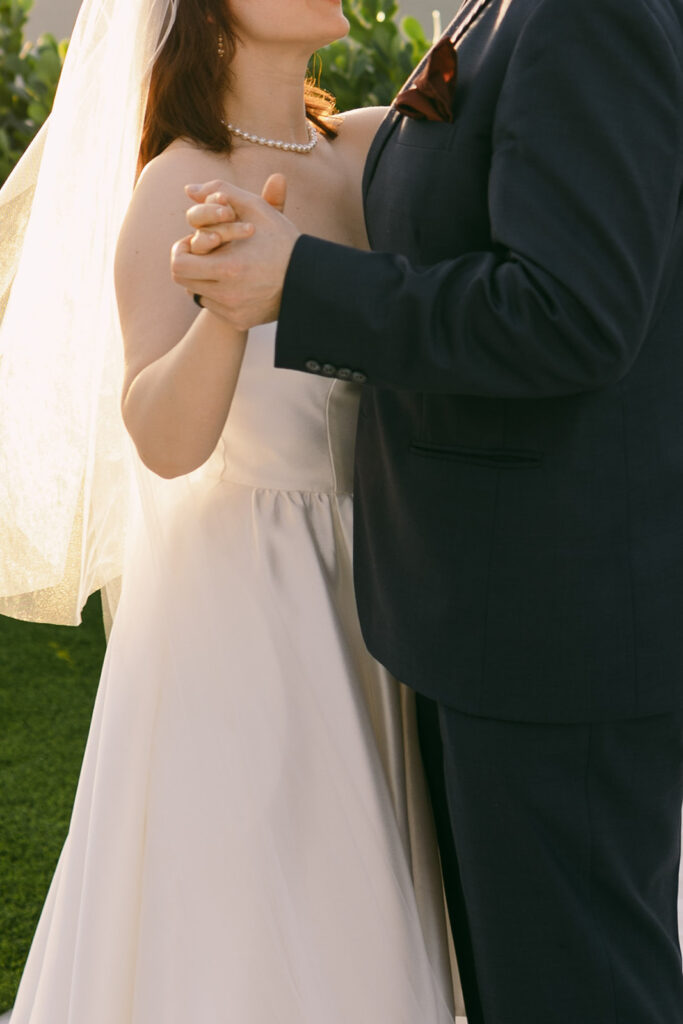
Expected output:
(241, 282)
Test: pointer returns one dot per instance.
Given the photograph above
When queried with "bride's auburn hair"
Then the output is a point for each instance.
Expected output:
(190, 78)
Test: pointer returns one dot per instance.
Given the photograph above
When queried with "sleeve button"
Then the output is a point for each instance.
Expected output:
(329, 370)
(313, 366)
(359, 378)
(344, 373)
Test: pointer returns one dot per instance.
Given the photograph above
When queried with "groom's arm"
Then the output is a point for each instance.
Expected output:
(583, 199)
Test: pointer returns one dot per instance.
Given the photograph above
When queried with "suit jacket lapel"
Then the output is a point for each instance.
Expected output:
(377, 145)
(470, 11)
(467, 15)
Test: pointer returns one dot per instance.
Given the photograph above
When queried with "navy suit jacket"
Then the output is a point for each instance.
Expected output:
(519, 465)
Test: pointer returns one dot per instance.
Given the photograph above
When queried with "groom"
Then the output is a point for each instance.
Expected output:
(519, 494)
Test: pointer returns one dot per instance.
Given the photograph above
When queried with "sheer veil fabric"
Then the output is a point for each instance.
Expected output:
(64, 459)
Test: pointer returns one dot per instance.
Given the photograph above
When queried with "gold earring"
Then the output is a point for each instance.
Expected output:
(221, 45)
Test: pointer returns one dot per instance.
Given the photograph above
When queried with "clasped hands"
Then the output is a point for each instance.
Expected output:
(237, 258)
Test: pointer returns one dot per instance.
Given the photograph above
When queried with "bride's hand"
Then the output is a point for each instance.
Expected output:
(243, 284)
(214, 223)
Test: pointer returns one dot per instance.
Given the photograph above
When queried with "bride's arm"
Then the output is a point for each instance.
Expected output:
(181, 365)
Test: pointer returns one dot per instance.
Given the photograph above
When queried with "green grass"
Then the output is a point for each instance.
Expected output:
(48, 679)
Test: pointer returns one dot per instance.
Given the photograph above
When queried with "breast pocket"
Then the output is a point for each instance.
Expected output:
(493, 458)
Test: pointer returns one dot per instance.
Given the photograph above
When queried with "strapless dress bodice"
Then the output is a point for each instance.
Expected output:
(286, 430)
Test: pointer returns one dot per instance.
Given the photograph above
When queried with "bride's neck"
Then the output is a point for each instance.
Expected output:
(266, 94)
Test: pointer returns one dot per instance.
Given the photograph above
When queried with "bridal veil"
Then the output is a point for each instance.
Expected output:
(64, 457)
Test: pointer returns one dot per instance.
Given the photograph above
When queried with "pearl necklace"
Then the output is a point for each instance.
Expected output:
(290, 147)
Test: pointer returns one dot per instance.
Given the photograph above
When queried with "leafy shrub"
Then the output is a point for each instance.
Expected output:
(29, 73)
(370, 66)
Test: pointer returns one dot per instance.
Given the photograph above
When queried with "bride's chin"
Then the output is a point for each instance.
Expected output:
(335, 24)
(342, 30)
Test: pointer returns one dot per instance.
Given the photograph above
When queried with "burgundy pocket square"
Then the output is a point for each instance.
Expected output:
(430, 95)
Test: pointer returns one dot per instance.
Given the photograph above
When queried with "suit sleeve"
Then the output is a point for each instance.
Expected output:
(583, 203)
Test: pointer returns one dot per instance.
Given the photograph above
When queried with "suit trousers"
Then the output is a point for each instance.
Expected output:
(560, 851)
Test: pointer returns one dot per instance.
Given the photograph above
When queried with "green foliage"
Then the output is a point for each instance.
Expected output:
(48, 679)
(369, 67)
(29, 73)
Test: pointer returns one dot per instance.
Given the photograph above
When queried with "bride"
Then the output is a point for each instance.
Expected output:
(250, 839)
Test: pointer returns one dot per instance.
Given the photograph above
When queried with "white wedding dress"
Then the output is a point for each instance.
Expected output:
(250, 842)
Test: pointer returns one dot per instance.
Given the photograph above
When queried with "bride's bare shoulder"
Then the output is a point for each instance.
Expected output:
(357, 128)
(159, 202)
(156, 216)
(363, 119)
(183, 161)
